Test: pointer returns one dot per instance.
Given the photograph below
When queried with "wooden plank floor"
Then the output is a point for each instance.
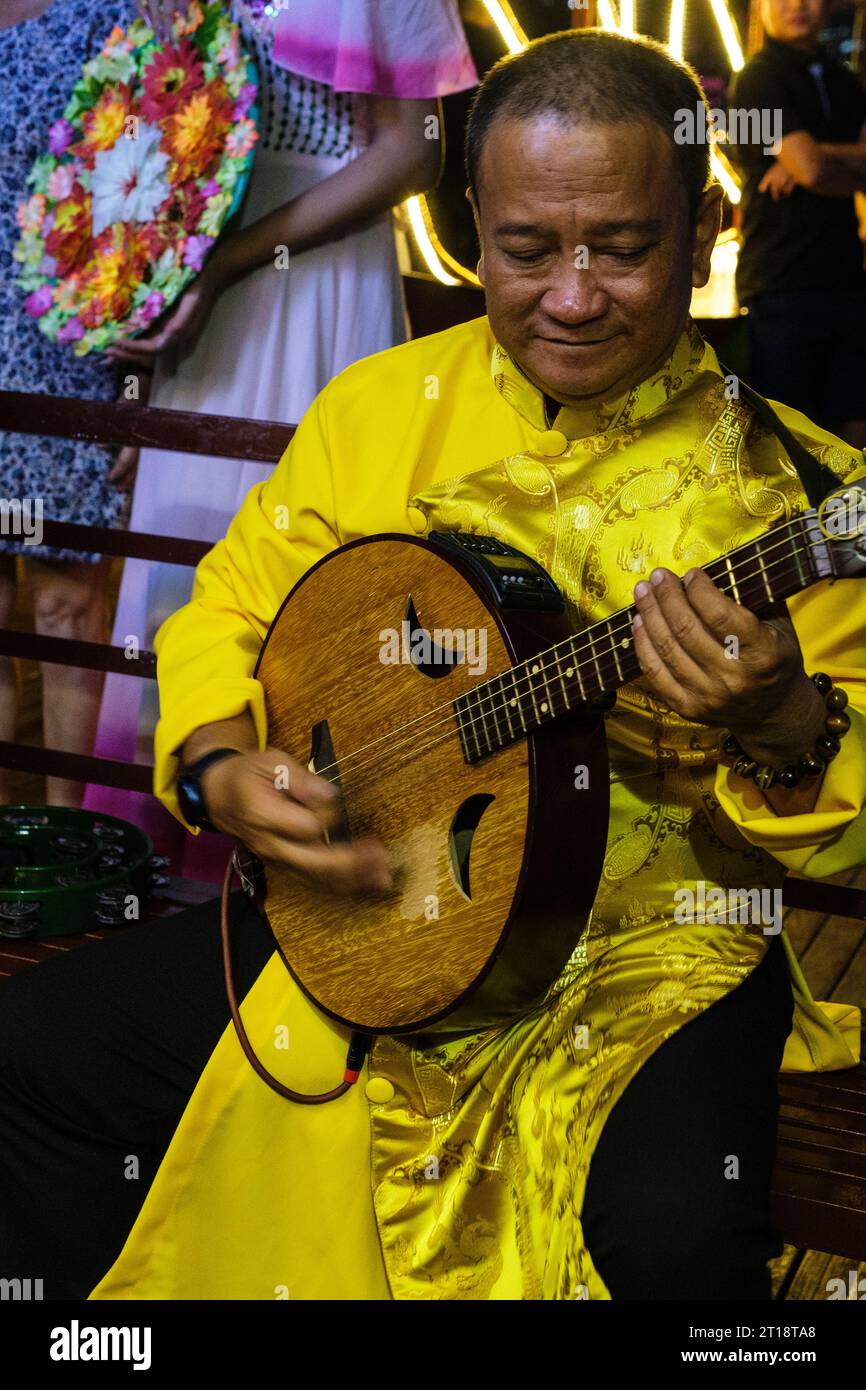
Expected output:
(832, 952)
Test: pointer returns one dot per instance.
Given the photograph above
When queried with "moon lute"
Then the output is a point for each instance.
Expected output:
(470, 777)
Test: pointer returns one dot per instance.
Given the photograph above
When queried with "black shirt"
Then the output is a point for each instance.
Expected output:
(804, 240)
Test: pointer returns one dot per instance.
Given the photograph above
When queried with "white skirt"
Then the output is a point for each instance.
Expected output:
(272, 342)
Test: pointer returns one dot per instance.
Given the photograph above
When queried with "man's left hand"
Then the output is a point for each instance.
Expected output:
(713, 661)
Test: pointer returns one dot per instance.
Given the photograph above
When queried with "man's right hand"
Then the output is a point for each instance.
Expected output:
(284, 814)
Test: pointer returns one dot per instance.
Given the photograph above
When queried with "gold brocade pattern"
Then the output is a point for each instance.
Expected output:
(481, 1160)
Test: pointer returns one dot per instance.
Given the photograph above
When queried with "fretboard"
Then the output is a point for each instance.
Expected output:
(597, 661)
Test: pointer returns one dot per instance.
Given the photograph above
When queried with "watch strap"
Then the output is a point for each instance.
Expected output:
(194, 772)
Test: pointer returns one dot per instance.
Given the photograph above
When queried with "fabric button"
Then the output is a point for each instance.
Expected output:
(417, 520)
(379, 1090)
(551, 443)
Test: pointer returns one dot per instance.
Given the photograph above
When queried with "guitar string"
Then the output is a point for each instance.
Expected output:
(447, 705)
(595, 658)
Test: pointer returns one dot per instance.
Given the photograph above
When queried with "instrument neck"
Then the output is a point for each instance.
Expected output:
(594, 663)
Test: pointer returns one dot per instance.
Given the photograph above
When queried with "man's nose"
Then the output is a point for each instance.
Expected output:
(574, 292)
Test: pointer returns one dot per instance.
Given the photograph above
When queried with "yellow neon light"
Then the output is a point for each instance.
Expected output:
(676, 27)
(415, 210)
(721, 170)
(728, 31)
(626, 16)
(510, 31)
(606, 16)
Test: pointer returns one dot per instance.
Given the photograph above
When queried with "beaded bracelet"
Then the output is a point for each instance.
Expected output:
(810, 764)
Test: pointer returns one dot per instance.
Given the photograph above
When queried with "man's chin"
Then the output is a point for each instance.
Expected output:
(574, 374)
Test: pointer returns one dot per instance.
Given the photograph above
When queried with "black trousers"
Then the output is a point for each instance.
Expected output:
(101, 1048)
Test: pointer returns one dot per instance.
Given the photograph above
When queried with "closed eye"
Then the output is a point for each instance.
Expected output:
(626, 255)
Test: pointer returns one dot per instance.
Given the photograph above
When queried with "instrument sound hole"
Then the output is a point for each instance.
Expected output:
(427, 655)
(463, 828)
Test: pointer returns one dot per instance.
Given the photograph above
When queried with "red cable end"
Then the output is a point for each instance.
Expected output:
(351, 1076)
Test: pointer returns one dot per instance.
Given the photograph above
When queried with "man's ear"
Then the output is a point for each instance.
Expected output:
(707, 227)
(479, 270)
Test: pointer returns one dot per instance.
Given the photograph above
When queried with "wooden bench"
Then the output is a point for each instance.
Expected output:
(819, 1185)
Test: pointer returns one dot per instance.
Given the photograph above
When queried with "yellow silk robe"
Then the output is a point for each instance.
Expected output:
(459, 1172)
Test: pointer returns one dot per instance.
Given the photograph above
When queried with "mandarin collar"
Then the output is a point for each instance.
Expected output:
(690, 357)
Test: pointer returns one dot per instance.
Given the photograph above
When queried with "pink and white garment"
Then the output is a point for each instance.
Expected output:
(393, 48)
(274, 340)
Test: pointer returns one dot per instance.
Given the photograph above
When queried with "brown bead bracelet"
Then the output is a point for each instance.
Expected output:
(811, 764)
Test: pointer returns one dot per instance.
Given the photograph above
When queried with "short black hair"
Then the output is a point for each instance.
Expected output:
(594, 75)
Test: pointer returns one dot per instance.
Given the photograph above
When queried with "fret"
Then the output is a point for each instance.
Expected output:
(467, 727)
(506, 704)
(764, 573)
(484, 729)
(547, 708)
(795, 551)
(561, 674)
(530, 674)
(599, 676)
(613, 646)
(574, 670)
(494, 708)
(518, 698)
(734, 588)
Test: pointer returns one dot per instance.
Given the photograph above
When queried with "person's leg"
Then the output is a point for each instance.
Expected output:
(100, 1050)
(8, 681)
(69, 601)
(676, 1202)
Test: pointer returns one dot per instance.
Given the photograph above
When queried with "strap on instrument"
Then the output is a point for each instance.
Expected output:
(818, 480)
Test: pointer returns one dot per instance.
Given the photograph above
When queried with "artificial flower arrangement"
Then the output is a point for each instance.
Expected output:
(148, 162)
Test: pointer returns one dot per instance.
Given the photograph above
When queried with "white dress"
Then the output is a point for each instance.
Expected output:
(272, 342)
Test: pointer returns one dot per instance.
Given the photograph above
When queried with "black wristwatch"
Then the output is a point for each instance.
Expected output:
(189, 791)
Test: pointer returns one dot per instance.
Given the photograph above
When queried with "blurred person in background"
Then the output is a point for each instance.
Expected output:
(42, 49)
(801, 268)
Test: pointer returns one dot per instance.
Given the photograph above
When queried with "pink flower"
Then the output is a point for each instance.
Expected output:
(241, 139)
(29, 215)
(60, 135)
(61, 181)
(151, 308)
(39, 302)
(244, 100)
(195, 251)
(211, 189)
(71, 331)
(230, 54)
